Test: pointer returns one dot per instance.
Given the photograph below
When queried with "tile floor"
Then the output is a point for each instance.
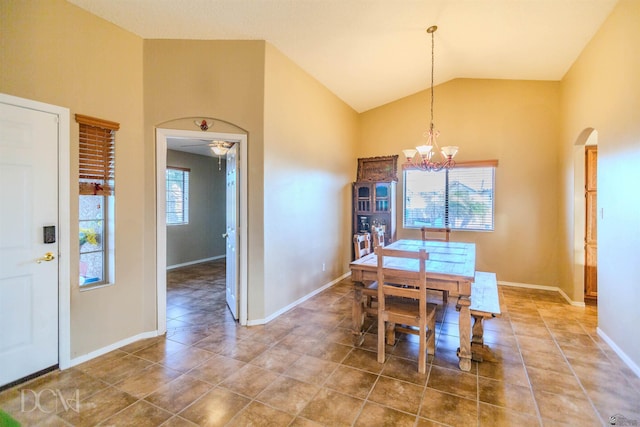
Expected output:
(545, 366)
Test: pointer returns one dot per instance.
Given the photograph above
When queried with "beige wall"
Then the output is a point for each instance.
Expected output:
(515, 122)
(56, 53)
(602, 91)
(219, 79)
(309, 163)
(201, 238)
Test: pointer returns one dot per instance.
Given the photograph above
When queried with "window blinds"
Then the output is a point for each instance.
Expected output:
(97, 155)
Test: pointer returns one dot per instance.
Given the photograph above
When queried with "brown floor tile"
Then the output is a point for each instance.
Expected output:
(259, 415)
(495, 416)
(98, 407)
(405, 370)
(448, 408)
(311, 370)
(377, 415)
(499, 393)
(555, 382)
(363, 359)
(354, 382)
(332, 408)
(179, 393)
(140, 414)
(454, 382)
(160, 350)
(114, 370)
(578, 411)
(216, 369)
(186, 359)
(276, 359)
(288, 394)
(397, 394)
(249, 380)
(215, 408)
(147, 380)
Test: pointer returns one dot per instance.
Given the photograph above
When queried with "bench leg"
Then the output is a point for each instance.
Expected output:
(477, 339)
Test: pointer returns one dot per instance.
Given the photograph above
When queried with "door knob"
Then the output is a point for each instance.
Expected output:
(225, 235)
(47, 257)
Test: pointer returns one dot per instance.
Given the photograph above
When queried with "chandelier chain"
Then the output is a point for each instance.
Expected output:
(432, 68)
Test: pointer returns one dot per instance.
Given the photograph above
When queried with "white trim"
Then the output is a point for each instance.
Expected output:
(544, 288)
(198, 261)
(297, 302)
(626, 359)
(104, 350)
(64, 220)
(161, 228)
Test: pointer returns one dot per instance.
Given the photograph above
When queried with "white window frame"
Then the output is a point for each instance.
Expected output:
(184, 209)
(447, 221)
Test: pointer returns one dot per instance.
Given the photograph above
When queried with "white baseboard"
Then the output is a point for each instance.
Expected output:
(544, 288)
(626, 359)
(198, 261)
(295, 303)
(104, 350)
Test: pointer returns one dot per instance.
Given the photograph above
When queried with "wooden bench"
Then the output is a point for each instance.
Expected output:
(485, 304)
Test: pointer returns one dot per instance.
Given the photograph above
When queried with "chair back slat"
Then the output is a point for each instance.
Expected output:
(361, 245)
(431, 233)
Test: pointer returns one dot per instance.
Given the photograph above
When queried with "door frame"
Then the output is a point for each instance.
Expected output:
(161, 227)
(64, 220)
(588, 136)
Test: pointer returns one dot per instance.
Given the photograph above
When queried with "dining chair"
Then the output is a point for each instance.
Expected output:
(407, 304)
(431, 233)
(437, 234)
(361, 245)
(378, 237)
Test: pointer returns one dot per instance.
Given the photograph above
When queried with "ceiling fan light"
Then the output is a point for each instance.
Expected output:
(219, 150)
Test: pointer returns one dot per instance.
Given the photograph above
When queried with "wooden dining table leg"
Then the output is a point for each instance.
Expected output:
(464, 353)
(357, 315)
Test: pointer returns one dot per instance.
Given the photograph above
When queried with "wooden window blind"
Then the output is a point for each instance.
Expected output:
(97, 155)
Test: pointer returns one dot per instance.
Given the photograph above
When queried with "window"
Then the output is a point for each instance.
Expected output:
(177, 195)
(96, 199)
(461, 198)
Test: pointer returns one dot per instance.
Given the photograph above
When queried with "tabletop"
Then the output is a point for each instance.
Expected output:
(447, 260)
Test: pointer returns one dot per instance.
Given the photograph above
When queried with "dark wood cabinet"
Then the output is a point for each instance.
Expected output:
(374, 205)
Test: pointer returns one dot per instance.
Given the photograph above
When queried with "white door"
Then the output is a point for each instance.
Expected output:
(231, 235)
(29, 202)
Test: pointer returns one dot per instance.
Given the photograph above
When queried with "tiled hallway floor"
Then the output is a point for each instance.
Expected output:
(545, 366)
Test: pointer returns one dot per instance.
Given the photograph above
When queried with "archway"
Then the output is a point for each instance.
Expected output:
(588, 137)
(241, 138)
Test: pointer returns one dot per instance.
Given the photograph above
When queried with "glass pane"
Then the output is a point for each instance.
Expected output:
(177, 186)
(424, 198)
(91, 236)
(91, 268)
(91, 207)
(471, 198)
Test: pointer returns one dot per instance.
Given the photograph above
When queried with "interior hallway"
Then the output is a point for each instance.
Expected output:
(545, 367)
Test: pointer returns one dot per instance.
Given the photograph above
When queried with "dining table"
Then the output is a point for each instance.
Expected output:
(450, 267)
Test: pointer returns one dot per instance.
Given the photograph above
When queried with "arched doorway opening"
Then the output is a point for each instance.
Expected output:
(240, 206)
(585, 215)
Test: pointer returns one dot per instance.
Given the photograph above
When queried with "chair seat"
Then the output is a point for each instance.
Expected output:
(409, 308)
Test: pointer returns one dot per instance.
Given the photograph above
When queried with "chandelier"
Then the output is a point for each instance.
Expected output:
(426, 151)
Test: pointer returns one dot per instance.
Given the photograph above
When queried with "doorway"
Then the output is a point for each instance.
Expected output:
(34, 256)
(240, 206)
(585, 216)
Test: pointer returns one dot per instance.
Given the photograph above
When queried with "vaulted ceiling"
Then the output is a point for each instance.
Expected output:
(371, 52)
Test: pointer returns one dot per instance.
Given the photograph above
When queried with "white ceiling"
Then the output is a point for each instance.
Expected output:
(370, 52)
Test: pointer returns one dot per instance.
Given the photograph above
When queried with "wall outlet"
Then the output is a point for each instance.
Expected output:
(324, 267)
